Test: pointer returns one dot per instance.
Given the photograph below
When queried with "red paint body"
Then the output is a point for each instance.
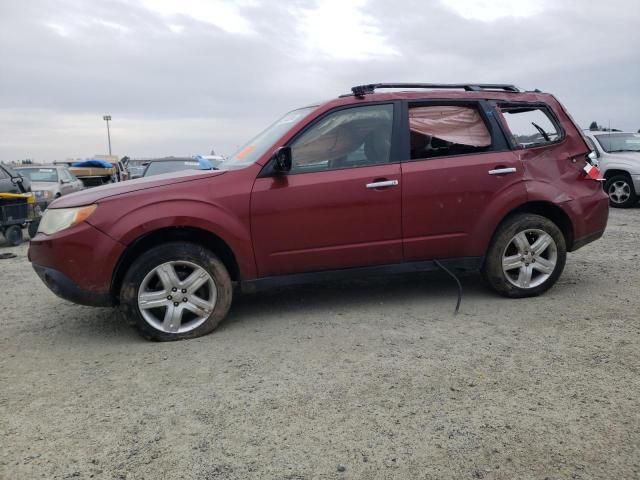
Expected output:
(326, 220)
(444, 207)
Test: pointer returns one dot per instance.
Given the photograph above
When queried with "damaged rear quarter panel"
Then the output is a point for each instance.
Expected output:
(554, 174)
(551, 171)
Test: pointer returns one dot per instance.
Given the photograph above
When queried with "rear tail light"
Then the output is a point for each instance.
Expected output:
(592, 172)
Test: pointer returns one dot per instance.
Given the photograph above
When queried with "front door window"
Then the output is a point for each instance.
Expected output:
(352, 137)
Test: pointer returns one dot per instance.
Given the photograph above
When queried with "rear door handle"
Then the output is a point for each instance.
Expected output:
(382, 184)
(502, 171)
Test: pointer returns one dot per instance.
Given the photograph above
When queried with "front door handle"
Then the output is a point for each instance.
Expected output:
(502, 171)
(382, 184)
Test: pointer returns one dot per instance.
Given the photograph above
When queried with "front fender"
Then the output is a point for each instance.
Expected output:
(138, 217)
(628, 167)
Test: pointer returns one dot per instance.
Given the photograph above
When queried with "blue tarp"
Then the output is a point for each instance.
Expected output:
(92, 163)
(208, 164)
(205, 164)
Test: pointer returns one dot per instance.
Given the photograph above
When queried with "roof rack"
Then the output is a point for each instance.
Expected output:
(361, 90)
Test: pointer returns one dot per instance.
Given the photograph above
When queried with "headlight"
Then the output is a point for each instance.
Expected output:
(43, 194)
(56, 219)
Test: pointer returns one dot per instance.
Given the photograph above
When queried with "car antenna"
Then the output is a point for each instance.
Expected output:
(452, 275)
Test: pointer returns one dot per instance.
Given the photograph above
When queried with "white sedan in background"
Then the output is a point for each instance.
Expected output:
(49, 182)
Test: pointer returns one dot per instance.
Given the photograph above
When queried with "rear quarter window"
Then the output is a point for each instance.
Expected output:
(530, 126)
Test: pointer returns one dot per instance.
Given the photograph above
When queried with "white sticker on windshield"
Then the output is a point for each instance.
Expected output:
(45, 170)
(195, 164)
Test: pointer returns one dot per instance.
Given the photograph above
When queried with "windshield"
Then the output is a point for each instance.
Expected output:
(254, 149)
(156, 168)
(39, 174)
(619, 142)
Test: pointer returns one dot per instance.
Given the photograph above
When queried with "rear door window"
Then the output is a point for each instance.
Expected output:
(447, 130)
(530, 125)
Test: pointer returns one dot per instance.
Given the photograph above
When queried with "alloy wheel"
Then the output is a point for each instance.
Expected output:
(529, 258)
(177, 297)
(619, 191)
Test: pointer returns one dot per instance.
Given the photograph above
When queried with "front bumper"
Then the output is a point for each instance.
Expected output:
(77, 263)
(65, 288)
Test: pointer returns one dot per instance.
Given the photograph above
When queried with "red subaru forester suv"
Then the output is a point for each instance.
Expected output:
(468, 176)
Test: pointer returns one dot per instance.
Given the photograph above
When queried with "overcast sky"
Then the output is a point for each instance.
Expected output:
(185, 76)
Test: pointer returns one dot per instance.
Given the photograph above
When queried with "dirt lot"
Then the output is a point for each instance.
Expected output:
(372, 379)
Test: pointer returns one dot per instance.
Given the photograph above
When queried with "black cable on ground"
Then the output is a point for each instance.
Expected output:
(452, 275)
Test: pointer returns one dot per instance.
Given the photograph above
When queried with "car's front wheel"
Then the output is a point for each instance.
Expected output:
(175, 291)
(526, 256)
(13, 235)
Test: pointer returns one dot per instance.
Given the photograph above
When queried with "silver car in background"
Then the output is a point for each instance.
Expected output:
(617, 155)
(49, 182)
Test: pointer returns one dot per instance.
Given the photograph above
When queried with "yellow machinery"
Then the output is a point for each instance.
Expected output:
(18, 210)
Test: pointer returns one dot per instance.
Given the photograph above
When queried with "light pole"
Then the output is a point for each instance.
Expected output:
(106, 118)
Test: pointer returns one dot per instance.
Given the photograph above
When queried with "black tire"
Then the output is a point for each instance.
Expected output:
(503, 244)
(621, 183)
(175, 252)
(33, 227)
(13, 235)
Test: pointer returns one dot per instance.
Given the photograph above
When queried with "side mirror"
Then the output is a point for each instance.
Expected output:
(593, 155)
(283, 159)
(16, 180)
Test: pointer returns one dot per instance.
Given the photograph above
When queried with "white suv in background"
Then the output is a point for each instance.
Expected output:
(618, 158)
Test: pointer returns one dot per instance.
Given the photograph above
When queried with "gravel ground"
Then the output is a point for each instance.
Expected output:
(370, 379)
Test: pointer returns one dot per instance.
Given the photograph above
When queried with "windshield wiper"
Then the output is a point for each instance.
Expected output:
(623, 150)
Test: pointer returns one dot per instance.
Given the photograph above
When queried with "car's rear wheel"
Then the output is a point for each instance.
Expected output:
(621, 192)
(175, 291)
(526, 256)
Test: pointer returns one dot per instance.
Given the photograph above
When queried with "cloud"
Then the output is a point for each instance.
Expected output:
(186, 76)
(225, 15)
(343, 30)
(490, 10)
